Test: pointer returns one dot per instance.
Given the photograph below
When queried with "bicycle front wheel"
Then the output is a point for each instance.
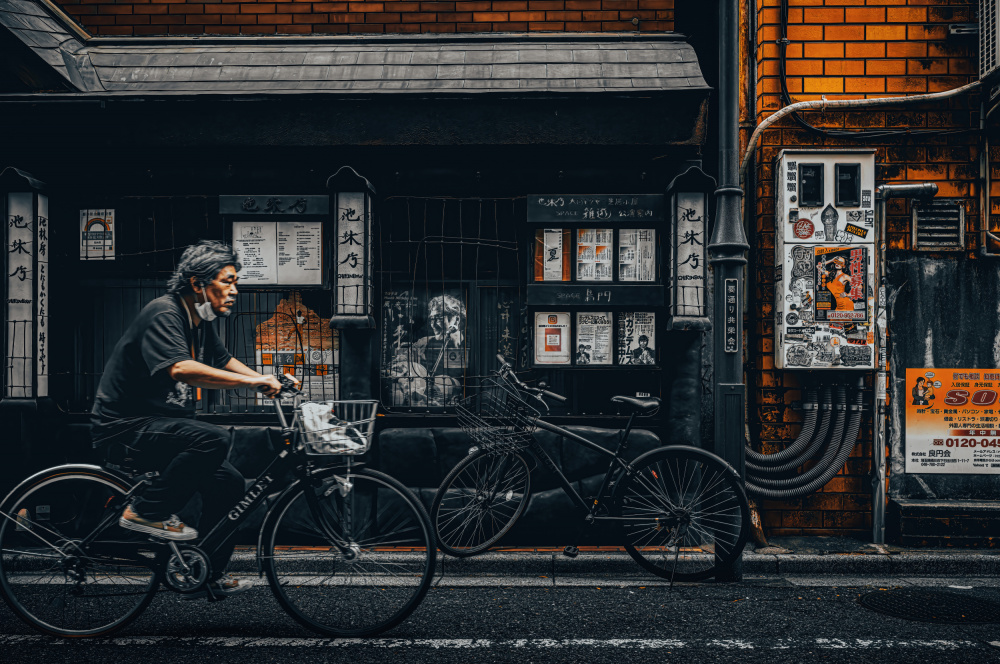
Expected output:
(684, 513)
(351, 555)
(479, 501)
(61, 570)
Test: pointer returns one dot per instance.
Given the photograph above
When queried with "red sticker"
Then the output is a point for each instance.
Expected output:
(804, 229)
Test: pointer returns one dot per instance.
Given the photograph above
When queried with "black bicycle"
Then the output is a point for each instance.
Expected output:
(348, 551)
(682, 511)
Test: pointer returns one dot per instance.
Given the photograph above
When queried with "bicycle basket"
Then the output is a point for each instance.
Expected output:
(336, 427)
(497, 417)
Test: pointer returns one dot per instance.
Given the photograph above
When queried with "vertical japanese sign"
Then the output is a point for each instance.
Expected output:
(687, 278)
(42, 291)
(352, 253)
(732, 312)
(952, 421)
(21, 344)
(97, 235)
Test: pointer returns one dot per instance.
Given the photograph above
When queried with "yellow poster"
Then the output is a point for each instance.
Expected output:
(952, 422)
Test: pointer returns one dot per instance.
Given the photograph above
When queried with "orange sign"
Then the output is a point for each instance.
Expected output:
(953, 421)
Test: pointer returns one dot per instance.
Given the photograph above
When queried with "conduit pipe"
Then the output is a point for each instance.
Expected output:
(825, 104)
(776, 467)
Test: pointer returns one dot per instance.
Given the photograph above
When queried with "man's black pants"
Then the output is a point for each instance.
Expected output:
(190, 457)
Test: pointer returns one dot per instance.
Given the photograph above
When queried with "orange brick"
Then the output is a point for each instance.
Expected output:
(865, 14)
(942, 83)
(926, 67)
(927, 32)
(361, 7)
(844, 68)
(906, 15)
(545, 26)
(804, 67)
(818, 85)
(825, 15)
(805, 32)
(824, 50)
(255, 8)
(885, 67)
(865, 50)
(118, 9)
(527, 16)
(907, 49)
(843, 32)
(490, 16)
(885, 32)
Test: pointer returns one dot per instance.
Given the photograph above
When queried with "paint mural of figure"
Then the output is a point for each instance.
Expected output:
(922, 393)
(838, 282)
(428, 372)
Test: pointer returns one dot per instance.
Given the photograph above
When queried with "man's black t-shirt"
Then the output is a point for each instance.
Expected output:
(136, 385)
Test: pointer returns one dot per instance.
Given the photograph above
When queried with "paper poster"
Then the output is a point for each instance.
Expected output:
(552, 257)
(952, 423)
(276, 253)
(594, 247)
(842, 277)
(552, 342)
(593, 338)
(637, 254)
(637, 338)
(424, 347)
(97, 235)
(297, 341)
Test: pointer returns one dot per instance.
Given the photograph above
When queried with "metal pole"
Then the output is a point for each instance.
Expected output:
(727, 250)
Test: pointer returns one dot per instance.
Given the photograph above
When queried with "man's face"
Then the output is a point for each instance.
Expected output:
(221, 291)
(643, 343)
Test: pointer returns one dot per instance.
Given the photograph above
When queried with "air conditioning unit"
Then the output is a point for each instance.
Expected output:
(989, 33)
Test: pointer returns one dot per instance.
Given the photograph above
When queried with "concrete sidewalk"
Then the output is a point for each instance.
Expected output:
(806, 556)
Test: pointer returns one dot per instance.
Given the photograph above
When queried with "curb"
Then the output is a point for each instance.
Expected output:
(613, 565)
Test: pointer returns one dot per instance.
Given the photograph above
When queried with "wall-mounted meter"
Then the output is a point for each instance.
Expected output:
(825, 259)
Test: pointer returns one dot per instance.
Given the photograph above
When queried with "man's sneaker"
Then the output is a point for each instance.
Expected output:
(225, 587)
(171, 529)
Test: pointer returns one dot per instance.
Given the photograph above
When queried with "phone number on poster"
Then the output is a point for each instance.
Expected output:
(971, 442)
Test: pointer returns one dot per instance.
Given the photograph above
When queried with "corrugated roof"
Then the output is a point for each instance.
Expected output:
(475, 64)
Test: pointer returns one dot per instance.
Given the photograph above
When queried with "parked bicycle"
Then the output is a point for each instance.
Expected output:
(682, 511)
(348, 551)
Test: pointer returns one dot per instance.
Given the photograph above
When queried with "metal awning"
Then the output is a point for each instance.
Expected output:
(428, 64)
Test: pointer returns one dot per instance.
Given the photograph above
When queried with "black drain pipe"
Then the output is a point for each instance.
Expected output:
(773, 464)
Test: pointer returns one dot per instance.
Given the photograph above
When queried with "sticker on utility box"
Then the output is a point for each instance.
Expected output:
(952, 421)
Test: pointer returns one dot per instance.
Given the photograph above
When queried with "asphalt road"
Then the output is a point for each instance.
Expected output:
(528, 620)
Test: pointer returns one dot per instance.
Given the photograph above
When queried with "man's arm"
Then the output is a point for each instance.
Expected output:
(236, 366)
(197, 374)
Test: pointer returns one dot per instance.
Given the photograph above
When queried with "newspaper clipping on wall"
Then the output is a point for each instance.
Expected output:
(552, 344)
(593, 338)
(593, 254)
(637, 338)
(637, 254)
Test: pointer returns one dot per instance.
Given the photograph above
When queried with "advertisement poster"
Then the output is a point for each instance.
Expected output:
(842, 283)
(279, 253)
(424, 351)
(593, 254)
(593, 338)
(637, 338)
(952, 421)
(297, 341)
(552, 258)
(637, 254)
(552, 343)
(97, 235)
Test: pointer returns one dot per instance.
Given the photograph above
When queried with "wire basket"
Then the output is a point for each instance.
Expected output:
(497, 417)
(336, 427)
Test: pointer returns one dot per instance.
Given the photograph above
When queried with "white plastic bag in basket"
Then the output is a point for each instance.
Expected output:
(319, 419)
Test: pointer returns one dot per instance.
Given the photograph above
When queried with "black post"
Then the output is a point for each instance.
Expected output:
(727, 251)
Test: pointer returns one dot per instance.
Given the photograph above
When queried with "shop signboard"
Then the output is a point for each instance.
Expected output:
(545, 208)
(952, 421)
(97, 235)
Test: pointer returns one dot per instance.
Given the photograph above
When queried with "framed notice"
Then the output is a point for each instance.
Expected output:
(594, 248)
(637, 338)
(593, 338)
(280, 253)
(952, 424)
(97, 235)
(552, 338)
(637, 254)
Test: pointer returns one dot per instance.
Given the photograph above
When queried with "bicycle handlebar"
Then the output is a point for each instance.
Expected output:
(507, 372)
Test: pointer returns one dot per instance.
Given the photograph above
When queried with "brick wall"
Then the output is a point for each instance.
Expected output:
(852, 49)
(183, 17)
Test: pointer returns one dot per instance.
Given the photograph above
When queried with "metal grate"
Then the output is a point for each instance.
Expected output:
(939, 225)
(988, 15)
(931, 606)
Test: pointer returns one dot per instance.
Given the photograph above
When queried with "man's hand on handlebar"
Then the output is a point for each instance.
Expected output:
(272, 386)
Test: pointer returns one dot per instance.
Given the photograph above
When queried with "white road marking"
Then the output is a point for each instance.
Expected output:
(521, 644)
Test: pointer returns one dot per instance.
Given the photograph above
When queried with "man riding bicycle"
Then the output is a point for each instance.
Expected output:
(143, 415)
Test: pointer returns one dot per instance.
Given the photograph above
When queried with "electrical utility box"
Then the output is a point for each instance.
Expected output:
(825, 244)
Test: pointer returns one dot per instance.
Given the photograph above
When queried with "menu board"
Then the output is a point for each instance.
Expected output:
(279, 253)
(552, 343)
(593, 338)
(594, 247)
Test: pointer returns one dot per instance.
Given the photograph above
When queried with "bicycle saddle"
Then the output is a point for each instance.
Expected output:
(643, 406)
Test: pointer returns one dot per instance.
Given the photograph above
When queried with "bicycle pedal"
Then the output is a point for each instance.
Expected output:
(571, 551)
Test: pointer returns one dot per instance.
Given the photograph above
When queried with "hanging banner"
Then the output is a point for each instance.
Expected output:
(952, 421)
(552, 343)
(21, 276)
(97, 235)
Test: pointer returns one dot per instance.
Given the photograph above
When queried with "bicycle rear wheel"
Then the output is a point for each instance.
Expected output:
(684, 513)
(479, 501)
(352, 555)
(53, 580)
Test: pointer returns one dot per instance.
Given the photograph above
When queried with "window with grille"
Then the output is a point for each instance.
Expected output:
(938, 225)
